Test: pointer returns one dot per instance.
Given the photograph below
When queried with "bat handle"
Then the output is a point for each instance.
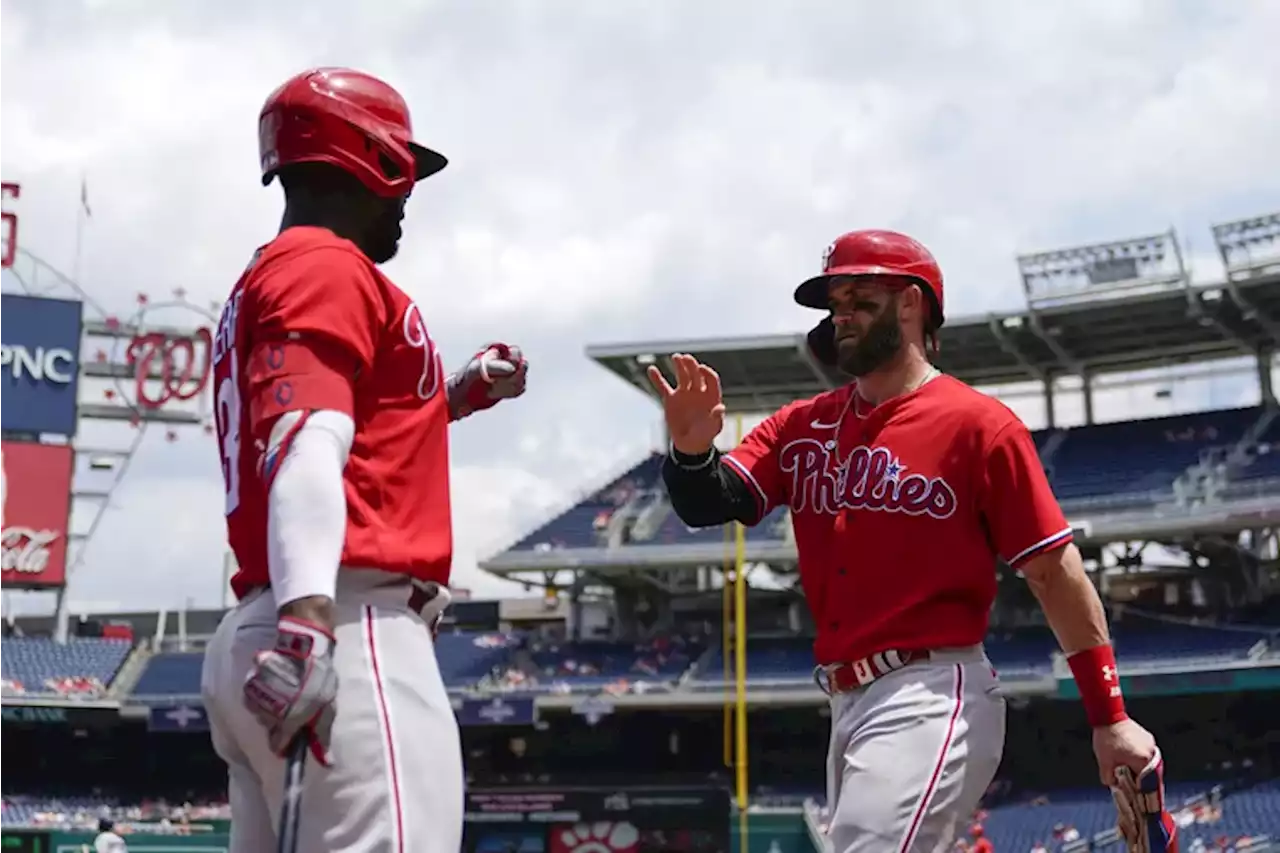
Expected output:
(291, 805)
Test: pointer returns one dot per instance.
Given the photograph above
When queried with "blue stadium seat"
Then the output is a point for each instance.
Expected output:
(465, 657)
(171, 674)
(579, 526)
(1252, 812)
(591, 664)
(1147, 641)
(1136, 462)
(81, 665)
(1114, 465)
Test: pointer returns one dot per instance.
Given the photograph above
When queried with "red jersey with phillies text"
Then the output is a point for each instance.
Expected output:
(308, 298)
(901, 510)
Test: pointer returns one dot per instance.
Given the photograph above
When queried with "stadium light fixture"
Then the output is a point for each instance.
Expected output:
(1086, 273)
(1249, 247)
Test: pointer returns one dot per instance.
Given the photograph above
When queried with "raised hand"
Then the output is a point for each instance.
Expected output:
(693, 408)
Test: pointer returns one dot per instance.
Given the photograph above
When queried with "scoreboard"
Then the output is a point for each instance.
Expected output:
(26, 841)
(607, 820)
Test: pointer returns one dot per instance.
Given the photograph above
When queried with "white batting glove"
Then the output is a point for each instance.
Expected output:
(293, 685)
(495, 373)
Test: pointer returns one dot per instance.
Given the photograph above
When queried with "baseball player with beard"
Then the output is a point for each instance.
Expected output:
(905, 487)
(333, 412)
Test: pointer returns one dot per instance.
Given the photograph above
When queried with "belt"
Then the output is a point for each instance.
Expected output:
(426, 598)
(844, 677)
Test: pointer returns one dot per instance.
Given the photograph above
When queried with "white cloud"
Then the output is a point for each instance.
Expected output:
(623, 171)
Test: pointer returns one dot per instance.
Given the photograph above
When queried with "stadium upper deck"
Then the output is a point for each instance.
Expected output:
(1115, 308)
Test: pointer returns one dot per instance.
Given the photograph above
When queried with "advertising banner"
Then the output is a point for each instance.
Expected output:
(35, 499)
(40, 360)
(597, 820)
(178, 718)
(497, 711)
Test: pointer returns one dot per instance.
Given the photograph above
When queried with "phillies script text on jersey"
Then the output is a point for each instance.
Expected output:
(309, 310)
(871, 478)
(901, 511)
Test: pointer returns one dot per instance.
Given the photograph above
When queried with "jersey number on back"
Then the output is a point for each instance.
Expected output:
(228, 416)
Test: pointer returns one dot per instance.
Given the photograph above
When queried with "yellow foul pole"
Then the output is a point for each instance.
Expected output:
(726, 641)
(740, 668)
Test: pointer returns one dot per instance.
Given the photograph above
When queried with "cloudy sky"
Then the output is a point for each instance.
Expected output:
(619, 171)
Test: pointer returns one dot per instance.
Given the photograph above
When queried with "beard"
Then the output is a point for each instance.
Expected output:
(872, 350)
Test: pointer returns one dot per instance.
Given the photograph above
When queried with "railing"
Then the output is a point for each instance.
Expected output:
(611, 474)
(813, 821)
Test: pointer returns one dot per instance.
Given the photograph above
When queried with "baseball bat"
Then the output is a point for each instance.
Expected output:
(291, 806)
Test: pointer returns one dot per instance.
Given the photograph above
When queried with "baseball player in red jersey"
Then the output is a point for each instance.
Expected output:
(333, 412)
(905, 486)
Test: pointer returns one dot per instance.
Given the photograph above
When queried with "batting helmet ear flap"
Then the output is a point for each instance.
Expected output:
(822, 342)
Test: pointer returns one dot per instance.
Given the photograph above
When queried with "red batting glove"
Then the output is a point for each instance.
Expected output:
(495, 373)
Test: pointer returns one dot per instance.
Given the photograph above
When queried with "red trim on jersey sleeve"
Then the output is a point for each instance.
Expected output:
(1022, 515)
(269, 464)
(755, 460)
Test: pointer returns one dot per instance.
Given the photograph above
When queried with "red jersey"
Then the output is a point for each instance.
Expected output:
(311, 288)
(901, 510)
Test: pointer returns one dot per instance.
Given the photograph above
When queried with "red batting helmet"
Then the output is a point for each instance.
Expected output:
(347, 119)
(870, 253)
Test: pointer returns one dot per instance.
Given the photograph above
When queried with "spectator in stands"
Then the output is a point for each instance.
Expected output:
(108, 841)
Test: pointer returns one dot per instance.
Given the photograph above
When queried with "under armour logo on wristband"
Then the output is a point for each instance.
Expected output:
(1109, 673)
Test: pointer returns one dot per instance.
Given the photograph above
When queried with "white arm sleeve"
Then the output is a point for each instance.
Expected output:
(307, 506)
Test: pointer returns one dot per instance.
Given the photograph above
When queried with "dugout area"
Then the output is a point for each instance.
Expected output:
(655, 777)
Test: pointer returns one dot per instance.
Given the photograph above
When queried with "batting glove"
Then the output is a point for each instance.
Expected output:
(495, 373)
(433, 611)
(292, 687)
(1144, 823)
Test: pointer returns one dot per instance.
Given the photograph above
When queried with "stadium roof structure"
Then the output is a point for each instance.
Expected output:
(1110, 308)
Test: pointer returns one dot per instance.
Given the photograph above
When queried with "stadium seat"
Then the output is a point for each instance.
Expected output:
(1147, 641)
(171, 674)
(465, 657)
(623, 666)
(82, 666)
(1134, 463)
(582, 525)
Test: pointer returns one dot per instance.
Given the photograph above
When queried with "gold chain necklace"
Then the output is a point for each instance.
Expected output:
(852, 406)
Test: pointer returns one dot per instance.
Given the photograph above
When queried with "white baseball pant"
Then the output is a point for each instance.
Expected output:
(396, 783)
(912, 753)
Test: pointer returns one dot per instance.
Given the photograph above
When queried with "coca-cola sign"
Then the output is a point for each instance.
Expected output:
(36, 500)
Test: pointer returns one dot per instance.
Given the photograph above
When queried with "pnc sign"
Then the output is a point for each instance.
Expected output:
(39, 364)
(35, 502)
(55, 365)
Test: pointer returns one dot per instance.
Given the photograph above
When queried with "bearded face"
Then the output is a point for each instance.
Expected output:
(867, 324)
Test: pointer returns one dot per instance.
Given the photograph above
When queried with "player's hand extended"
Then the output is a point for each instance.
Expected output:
(693, 408)
(1122, 744)
(497, 372)
(292, 687)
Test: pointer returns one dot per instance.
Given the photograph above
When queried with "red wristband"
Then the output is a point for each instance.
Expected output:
(1098, 678)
